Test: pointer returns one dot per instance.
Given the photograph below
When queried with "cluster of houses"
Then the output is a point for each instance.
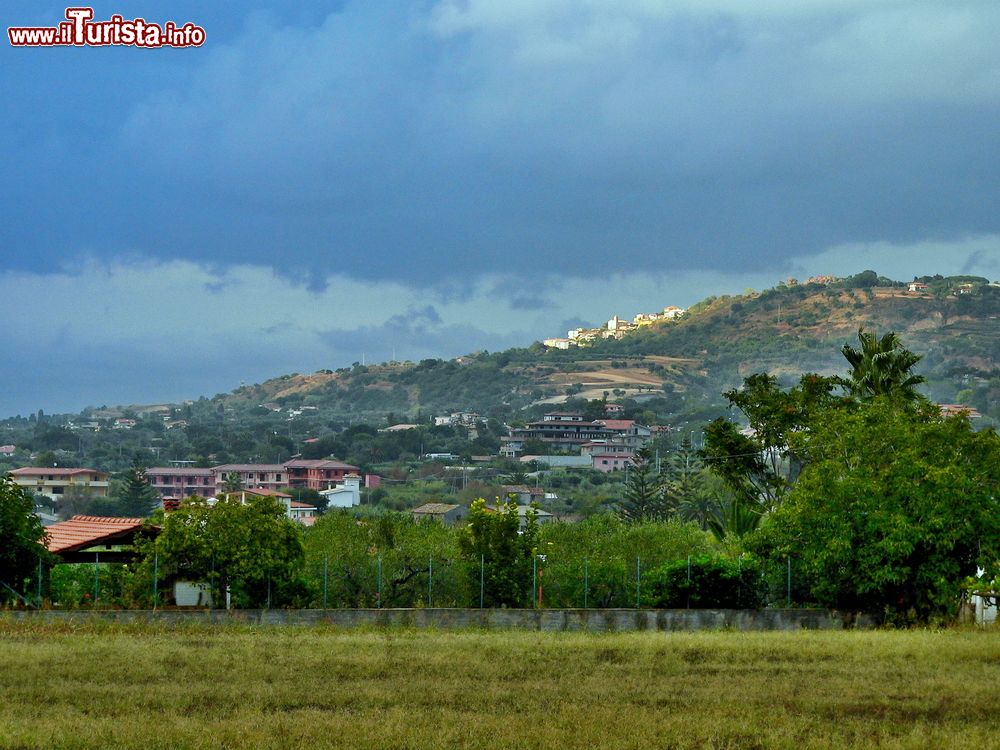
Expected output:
(338, 482)
(615, 328)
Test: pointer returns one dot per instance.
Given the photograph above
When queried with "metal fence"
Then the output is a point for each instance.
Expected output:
(588, 582)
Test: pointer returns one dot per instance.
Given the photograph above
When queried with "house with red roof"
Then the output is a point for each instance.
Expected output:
(96, 538)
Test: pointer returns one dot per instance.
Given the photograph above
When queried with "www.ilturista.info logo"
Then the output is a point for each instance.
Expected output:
(80, 30)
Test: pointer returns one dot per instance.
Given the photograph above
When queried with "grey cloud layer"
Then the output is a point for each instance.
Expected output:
(488, 135)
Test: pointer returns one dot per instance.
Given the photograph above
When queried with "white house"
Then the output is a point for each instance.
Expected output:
(344, 495)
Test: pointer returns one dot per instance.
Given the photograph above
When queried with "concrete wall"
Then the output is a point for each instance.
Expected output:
(548, 620)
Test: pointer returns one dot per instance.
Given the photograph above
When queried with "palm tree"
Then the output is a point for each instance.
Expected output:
(881, 367)
(733, 517)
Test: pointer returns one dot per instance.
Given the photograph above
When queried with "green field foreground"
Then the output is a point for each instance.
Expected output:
(123, 686)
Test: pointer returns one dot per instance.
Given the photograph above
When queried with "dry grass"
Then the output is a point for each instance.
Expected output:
(200, 687)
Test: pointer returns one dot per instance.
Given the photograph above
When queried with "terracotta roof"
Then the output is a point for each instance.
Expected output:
(249, 467)
(301, 463)
(435, 508)
(948, 410)
(86, 531)
(617, 424)
(175, 471)
(297, 504)
(259, 491)
(520, 489)
(30, 471)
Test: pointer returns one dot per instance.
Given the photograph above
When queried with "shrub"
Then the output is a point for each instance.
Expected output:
(713, 582)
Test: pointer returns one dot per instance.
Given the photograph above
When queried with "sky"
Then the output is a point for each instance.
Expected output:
(321, 183)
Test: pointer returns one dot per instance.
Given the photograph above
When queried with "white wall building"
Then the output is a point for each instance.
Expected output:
(344, 495)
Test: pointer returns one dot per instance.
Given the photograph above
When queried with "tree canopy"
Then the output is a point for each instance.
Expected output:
(21, 537)
(894, 510)
(250, 548)
(886, 506)
(494, 538)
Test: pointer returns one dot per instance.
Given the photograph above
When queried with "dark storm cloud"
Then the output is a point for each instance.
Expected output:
(425, 142)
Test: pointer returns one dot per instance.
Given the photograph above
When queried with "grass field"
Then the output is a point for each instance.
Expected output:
(199, 687)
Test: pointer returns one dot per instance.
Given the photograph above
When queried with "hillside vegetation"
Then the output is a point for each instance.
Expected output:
(672, 372)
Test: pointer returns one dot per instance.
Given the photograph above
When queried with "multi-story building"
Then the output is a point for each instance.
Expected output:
(171, 481)
(186, 481)
(251, 476)
(53, 482)
(558, 430)
(316, 475)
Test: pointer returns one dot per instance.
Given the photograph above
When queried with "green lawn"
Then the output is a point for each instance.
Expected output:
(202, 687)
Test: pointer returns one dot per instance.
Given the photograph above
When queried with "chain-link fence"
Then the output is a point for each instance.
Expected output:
(593, 582)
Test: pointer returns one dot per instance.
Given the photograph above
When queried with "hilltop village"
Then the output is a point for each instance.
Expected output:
(615, 328)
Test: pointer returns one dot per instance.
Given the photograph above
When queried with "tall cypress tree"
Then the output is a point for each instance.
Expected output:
(644, 497)
(137, 496)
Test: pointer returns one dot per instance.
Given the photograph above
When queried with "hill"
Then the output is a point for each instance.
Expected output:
(786, 331)
(671, 372)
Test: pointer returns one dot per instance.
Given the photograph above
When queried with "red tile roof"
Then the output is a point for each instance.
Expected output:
(249, 467)
(174, 471)
(259, 491)
(617, 424)
(85, 531)
(31, 471)
(303, 463)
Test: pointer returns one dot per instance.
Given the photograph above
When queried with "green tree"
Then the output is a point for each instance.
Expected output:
(494, 538)
(350, 552)
(894, 510)
(692, 491)
(758, 464)
(136, 496)
(22, 538)
(252, 549)
(881, 366)
(644, 497)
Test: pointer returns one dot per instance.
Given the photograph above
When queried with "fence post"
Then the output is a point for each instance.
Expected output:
(378, 600)
(689, 583)
(39, 582)
(97, 577)
(789, 584)
(326, 582)
(156, 574)
(534, 580)
(269, 590)
(482, 580)
(430, 582)
(586, 583)
(638, 580)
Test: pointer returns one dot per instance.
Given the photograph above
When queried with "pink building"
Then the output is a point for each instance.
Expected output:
(610, 461)
(171, 481)
(317, 475)
(252, 476)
